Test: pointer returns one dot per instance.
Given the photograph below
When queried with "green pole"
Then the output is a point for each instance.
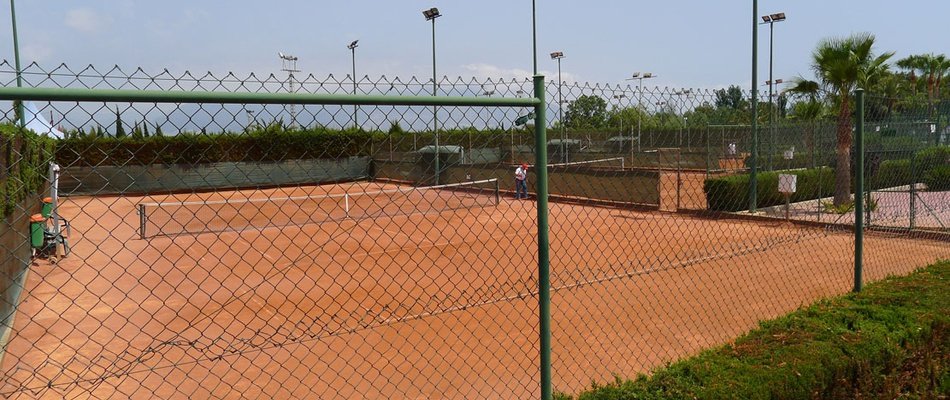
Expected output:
(435, 109)
(754, 160)
(707, 152)
(544, 268)
(534, 36)
(859, 190)
(353, 52)
(771, 102)
(16, 56)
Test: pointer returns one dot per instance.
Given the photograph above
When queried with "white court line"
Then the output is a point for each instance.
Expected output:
(262, 306)
(428, 246)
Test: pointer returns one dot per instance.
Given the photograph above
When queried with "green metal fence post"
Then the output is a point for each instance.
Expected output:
(707, 152)
(754, 159)
(859, 190)
(16, 56)
(544, 268)
(913, 192)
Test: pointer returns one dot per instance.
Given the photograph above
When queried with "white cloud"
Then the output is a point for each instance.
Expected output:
(86, 20)
(36, 52)
(492, 71)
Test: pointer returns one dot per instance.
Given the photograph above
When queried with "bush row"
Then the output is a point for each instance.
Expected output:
(271, 143)
(731, 193)
(889, 341)
(188, 148)
(928, 166)
(24, 164)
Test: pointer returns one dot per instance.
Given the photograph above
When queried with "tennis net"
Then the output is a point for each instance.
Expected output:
(237, 214)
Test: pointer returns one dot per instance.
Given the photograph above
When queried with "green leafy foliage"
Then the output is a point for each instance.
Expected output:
(938, 178)
(889, 341)
(586, 112)
(24, 161)
(731, 193)
(270, 143)
(932, 157)
(891, 173)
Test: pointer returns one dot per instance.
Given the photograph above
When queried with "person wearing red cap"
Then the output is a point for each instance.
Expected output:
(521, 181)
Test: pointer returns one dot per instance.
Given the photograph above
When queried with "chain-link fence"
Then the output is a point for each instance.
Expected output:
(209, 236)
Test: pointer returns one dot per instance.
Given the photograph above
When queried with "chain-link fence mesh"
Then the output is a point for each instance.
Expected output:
(195, 249)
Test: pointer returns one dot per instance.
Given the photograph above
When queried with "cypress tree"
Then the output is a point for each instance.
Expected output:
(119, 129)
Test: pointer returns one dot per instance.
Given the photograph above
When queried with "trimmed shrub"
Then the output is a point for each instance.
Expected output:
(931, 157)
(889, 341)
(265, 145)
(892, 173)
(731, 193)
(938, 179)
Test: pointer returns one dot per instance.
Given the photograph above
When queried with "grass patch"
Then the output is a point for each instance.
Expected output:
(848, 207)
(889, 341)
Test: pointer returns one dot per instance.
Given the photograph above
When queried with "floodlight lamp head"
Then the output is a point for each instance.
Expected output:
(353, 45)
(431, 13)
(635, 75)
(648, 75)
(778, 17)
(557, 55)
(766, 18)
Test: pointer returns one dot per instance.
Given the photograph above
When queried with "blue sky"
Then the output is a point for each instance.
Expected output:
(694, 43)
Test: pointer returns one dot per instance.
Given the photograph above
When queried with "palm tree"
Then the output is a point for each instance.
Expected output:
(916, 66)
(809, 112)
(843, 65)
(931, 67)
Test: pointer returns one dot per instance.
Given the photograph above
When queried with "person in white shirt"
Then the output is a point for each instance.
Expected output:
(521, 181)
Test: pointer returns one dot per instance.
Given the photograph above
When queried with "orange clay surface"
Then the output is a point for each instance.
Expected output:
(424, 305)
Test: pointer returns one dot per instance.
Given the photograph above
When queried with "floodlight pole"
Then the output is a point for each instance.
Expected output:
(753, 160)
(771, 100)
(289, 65)
(431, 15)
(771, 20)
(352, 48)
(560, 112)
(16, 56)
(639, 77)
(534, 35)
(639, 116)
(560, 106)
(682, 103)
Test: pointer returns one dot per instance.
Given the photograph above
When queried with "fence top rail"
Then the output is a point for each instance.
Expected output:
(160, 96)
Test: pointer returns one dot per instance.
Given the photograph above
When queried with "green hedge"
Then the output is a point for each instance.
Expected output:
(889, 341)
(932, 157)
(929, 165)
(272, 143)
(269, 144)
(24, 164)
(938, 178)
(892, 173)
(731, 193)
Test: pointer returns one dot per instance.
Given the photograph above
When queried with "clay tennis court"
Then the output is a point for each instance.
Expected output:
(414, 304)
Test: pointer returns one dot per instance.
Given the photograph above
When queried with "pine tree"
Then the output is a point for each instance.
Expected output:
(119, 129)
(146, 128)
(158, 130)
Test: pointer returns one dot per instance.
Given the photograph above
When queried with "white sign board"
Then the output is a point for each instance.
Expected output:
(787, 183)
(789, 154)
